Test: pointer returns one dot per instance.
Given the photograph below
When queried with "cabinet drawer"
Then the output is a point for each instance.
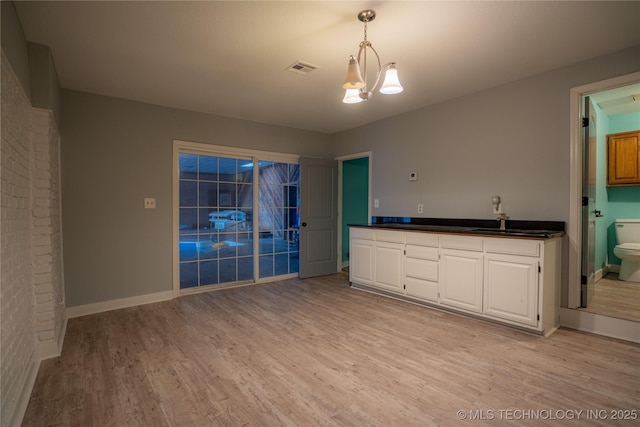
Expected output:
(422, 252)
(461, 242)
(390, 236)
(362, 233)
(422, 289)
(513, 247)
(421, 269)
(422, 239)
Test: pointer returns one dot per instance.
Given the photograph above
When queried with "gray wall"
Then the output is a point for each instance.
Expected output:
(45, 89)
(115, 153)
(32, 63)
(511, 141)
(14, 44)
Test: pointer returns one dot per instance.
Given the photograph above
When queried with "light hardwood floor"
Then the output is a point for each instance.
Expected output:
(616, 298)
(316, 352)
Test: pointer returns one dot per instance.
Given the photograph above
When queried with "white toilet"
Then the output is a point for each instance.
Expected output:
(628, 249)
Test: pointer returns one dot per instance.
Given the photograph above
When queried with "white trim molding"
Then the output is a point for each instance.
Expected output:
(100, 307)
(602, 325)
(23, 397)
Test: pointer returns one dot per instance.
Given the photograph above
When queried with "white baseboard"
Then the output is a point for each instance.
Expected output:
(100, 307)
(602, 325)
(345, 264)
(18, 411)
(599, 275)
(52, 348)
(44, 350)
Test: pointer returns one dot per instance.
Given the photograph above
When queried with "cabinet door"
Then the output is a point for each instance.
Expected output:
(623, 166)
(461, 280)
(361, 261)
(511, 288)
(389, 266)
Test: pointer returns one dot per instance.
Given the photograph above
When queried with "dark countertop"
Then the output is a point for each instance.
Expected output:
(478, 227)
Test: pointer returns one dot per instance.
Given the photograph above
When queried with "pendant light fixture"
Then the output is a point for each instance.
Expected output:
(356, 81)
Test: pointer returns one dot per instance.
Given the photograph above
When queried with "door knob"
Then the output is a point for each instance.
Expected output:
(598, 213)
(304, 224)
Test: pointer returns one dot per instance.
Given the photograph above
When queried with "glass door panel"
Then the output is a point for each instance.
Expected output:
(216, 207)
(278, 218)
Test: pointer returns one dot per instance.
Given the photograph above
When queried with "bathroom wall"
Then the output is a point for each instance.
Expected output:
(623, 202)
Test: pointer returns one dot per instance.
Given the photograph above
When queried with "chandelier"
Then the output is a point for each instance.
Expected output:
(355, 84)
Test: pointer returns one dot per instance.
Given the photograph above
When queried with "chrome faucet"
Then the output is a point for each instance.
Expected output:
(502, 217)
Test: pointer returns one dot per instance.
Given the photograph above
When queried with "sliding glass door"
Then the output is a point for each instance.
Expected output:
(238, 219)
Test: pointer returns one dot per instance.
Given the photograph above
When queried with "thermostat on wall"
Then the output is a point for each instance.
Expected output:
(413, 176)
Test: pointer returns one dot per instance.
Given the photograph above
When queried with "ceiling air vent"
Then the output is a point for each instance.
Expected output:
(300, 67)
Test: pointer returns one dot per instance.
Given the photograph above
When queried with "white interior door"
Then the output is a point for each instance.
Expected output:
(588, 204)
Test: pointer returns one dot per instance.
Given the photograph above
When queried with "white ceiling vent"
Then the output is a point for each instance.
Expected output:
(301, 67)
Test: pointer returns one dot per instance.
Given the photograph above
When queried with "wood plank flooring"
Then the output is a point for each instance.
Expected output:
(616, 298)
(315, 352)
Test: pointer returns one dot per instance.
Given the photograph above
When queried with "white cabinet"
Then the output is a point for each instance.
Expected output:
(511, 288)
(377, 259)
(510, 280)
(461, 272)
(421, 266)
(361, 261)
(461, 279)
(389, 259)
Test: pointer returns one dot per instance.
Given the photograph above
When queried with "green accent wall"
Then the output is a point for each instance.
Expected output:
(355, 197)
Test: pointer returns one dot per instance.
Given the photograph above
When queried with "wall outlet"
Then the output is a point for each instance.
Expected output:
(376, 203)
(420, 208)
(149, 203)
(413, 176)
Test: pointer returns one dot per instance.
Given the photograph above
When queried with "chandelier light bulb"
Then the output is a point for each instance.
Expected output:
(352, 96)
(391, 83)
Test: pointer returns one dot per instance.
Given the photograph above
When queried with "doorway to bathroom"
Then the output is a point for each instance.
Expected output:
(610, 108)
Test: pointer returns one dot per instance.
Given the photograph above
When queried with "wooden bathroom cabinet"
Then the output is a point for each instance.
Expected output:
(623, 158)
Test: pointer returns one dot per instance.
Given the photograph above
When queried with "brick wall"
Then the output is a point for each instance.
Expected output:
(31, 287)
(46, 231)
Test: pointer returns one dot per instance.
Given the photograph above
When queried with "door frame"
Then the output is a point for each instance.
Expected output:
(574, 227)
(341, 159)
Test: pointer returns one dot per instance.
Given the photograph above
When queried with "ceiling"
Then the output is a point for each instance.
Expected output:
(230, 58)
(621, 100)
